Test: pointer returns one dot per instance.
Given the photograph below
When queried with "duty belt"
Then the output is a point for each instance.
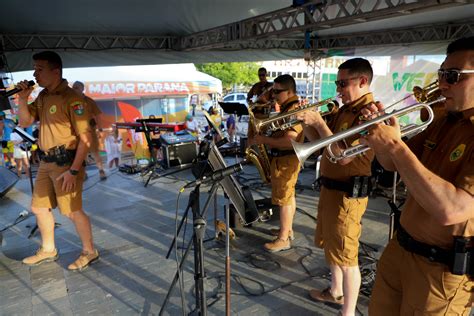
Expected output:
(358, 186)
(59, 155)
(432, 253)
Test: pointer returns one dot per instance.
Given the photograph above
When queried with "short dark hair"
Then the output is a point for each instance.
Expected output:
(286, 81)
(358, 66)
(79, 83)
(461, 44)
(262, 69)
(53, 59)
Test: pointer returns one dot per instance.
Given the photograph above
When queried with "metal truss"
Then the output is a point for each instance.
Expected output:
(17, 42)
(313, 16)
(423, 34)
(282, 29)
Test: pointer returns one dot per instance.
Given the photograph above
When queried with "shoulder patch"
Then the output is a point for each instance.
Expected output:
(78, 107)
(52, 109)
(457, 152)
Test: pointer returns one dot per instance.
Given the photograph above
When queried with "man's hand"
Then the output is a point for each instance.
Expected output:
(69, 181)
(372, 111)
(311, 118)
(382, 137)
(25, 89)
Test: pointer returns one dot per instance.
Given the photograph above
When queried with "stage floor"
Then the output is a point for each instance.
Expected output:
(133, 227)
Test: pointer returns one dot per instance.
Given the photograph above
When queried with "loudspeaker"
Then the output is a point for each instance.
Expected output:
(7, 180)
(179, 154)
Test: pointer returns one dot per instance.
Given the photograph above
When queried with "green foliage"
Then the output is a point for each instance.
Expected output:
(232, 73)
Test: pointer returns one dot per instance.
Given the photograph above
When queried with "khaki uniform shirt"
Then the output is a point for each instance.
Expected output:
(62, 115)
(446, 148)
(346, 117)
(93, 108)
(257, 89)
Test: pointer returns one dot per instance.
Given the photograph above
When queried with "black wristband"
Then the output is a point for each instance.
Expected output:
(73, 172)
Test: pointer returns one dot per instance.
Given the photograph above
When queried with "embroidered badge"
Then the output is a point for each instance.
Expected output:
(429, 144)
(52, 109)
(457, 152)
(343, 126)
(78, 107)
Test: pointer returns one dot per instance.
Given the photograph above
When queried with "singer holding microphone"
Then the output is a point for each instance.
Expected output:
(284, 166)
(64, 142)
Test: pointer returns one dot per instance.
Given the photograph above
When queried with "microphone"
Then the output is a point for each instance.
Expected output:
(216, 175)
(13, 91)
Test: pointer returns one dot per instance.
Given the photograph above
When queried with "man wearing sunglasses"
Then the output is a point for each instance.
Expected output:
(260, 90)
(343, 198)
(284, 167)
(425, 269)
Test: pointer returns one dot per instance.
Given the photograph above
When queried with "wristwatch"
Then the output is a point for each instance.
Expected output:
(74, 172)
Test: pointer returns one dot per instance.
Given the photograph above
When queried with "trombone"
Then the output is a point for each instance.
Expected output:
(304, 150)
(286, 120)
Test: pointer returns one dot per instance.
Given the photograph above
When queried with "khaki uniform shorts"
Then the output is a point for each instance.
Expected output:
(409, 284)
(338, 227)
(48, 192)
(284, 174)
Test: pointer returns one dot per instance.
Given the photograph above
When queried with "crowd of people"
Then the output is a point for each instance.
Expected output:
(418, 272)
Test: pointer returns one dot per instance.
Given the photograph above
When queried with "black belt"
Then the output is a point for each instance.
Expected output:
(358, 186)
(432, 253)
(63, 157)
(281, 153)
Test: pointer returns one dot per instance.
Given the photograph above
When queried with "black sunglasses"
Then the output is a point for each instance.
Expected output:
(452, 75)
(343, 82)
(278, 91)
(262, 75)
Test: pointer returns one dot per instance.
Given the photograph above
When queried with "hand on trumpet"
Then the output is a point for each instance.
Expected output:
(381, 137)
(311, 118)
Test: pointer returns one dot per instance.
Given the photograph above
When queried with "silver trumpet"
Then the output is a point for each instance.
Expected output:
(304, 150)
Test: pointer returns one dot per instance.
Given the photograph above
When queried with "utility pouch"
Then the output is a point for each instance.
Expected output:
(463, 252)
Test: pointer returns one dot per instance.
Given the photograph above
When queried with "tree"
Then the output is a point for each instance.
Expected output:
(232, 73)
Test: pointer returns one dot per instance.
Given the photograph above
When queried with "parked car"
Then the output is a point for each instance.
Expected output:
(238, 97)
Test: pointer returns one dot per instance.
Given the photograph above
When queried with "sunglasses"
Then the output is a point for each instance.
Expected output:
(344, 82)
(452, 75)
(278, 91)
(262, 75)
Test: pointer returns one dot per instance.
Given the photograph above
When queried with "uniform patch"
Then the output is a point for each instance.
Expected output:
(457, 152)
(52, 109)
(78, 107)
(343, 126)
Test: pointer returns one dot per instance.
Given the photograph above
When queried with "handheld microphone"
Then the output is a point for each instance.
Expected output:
(13, 91)
(216, 175)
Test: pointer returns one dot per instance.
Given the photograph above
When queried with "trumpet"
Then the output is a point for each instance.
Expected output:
(304, 150)
(286, 120)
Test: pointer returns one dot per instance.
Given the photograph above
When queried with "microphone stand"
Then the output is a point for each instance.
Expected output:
(199, 224)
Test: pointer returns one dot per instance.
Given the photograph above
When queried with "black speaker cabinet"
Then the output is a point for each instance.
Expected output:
(7, 180)
(179, 154)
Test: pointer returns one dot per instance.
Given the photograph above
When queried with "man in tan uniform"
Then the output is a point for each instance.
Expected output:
(344, 187)
(284, 166)
(94, 124)
(419, 272)
(261, 89)
(64, 142)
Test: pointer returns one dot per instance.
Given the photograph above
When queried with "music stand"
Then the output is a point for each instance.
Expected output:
(238, 109)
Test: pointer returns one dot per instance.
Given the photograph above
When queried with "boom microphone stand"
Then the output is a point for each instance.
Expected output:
(199, 224)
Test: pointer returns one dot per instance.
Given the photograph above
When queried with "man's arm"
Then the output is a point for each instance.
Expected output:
(447, 203)
(69, 180)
